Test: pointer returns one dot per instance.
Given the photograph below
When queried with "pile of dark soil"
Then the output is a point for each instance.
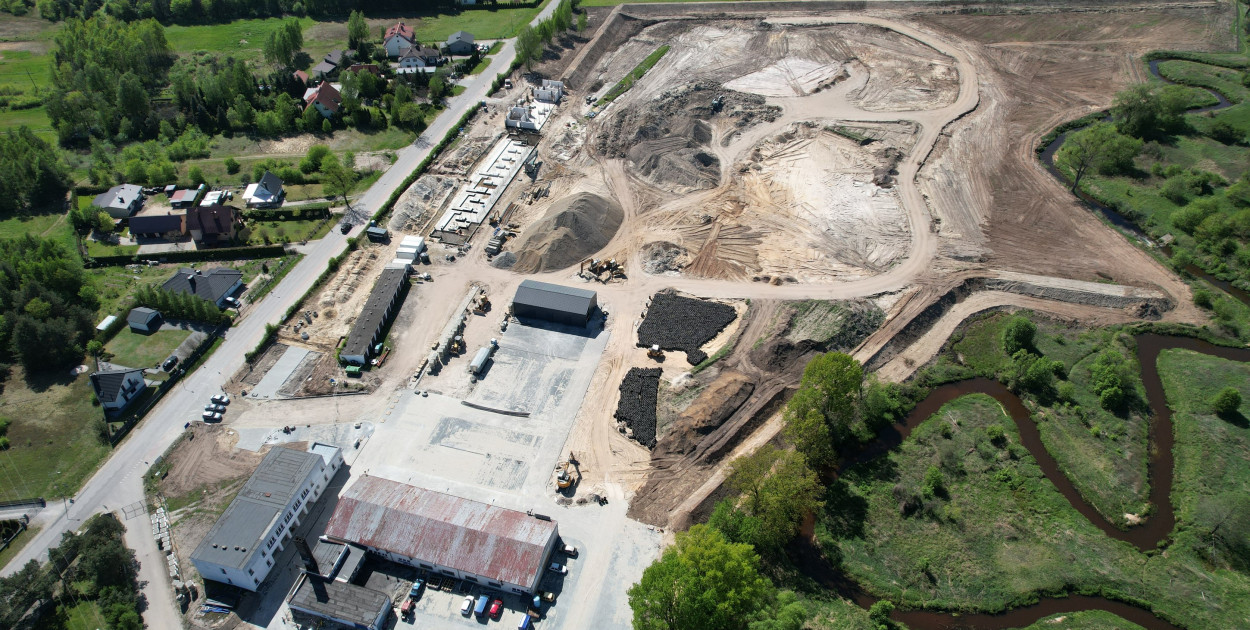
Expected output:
(680, 323)
(709, 411)
(571, 230)
(639, 392)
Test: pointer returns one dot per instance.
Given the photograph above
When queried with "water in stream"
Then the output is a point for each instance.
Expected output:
(1144, 536)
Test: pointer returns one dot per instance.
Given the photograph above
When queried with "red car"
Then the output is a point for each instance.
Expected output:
(496, 607)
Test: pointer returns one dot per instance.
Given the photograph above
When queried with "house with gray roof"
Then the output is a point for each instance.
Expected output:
(117, 389)
(119, 201)
(163, 225)
(214, 285)
(460, 43)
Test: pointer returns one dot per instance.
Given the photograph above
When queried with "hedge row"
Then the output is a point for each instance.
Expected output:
(224, 253)
(297, 213)
(1223, 60)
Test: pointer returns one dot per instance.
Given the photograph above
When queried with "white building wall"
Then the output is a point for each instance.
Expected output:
(258, 567)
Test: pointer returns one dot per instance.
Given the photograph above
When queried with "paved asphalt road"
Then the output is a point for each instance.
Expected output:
(118, 484)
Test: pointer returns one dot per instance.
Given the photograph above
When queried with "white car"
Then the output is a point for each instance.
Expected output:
(212, 416)
(569, 550)
(467, 607)
(221, 399)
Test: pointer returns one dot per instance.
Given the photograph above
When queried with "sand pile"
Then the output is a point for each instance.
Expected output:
(571, 231)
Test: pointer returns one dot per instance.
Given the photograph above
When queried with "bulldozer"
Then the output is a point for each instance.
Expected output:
(654, 352)
(481, 305)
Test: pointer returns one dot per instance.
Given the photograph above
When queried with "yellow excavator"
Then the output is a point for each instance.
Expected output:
(564, 477)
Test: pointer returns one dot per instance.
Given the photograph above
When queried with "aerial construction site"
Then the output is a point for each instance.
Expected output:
(781, 180)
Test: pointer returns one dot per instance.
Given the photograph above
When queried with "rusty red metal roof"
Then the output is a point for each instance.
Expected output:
(473, 537)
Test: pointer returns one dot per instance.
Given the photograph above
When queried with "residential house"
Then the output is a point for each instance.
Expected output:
(300, 76)
(186, 197)
(461, 43)
(167, 225)
(120, 201)
(397, 39)
(213, 224)
(144, 320)
(418, 58)
(371, 68)
(267, 193)
(325, 98)
(116, 389)
(322, 70)
(214, 285)
(338, 57)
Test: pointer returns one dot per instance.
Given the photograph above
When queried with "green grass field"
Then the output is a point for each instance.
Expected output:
(1084, 620)
(54, 447)
(84, 616)
(115, 285)
(1000, 535)
(1212, 453)
(1222, 80)
(140, 351)
(1104, 454)
(293, 231)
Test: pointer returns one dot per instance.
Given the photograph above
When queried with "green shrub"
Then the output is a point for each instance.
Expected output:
(1226, 402)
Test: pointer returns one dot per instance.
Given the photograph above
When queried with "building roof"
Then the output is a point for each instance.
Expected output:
(402, 30)
(106, 322)
(156, 223)
(353, 604)
(108, 384)
(365, 67)
(460, 36)
(554, 296)
(119, 197)
(325, 94)
(418, 51)
(212, 219)
(240, 532)
(493, 542)
(141, 315)
(271, 182)
(374, 312)
(335, 57)
(211, 285)
(323, 67)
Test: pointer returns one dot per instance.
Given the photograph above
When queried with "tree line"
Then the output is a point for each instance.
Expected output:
(715, 576)
(47, 304)
(201, 11)
(32, 175)
(93, 565)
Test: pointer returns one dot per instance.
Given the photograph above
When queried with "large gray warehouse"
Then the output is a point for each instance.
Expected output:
(374, 316)
(553, 303)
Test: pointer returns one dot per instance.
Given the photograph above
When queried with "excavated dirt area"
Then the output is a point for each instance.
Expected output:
(572, 229)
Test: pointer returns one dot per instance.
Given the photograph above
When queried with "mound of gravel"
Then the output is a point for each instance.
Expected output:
(504, 261)
(680, 323)
(662, 257)
(639, 393)
(573, 229)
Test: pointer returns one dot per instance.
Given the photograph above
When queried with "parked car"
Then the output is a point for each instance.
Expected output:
(170, 363)
(406, 610)
(212, 416)
(415, 591)
(467, 607)
(569, 550)
(480, 608)
(496, 608)
(345, 228)
(221, 399)
(556, 567)
(215, 408)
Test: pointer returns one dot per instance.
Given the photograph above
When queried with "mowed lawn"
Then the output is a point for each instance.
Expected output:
(53, 435)
(137, 350)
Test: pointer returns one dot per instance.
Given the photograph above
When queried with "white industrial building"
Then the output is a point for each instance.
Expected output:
(474, 203)
(240, 547)
(485, 544)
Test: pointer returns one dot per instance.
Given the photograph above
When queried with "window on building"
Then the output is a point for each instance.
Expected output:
(470, 578)
(255, 581)
(304, 493)
(426, 566)
(251, 572)
(223, 571)
(269, 562)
